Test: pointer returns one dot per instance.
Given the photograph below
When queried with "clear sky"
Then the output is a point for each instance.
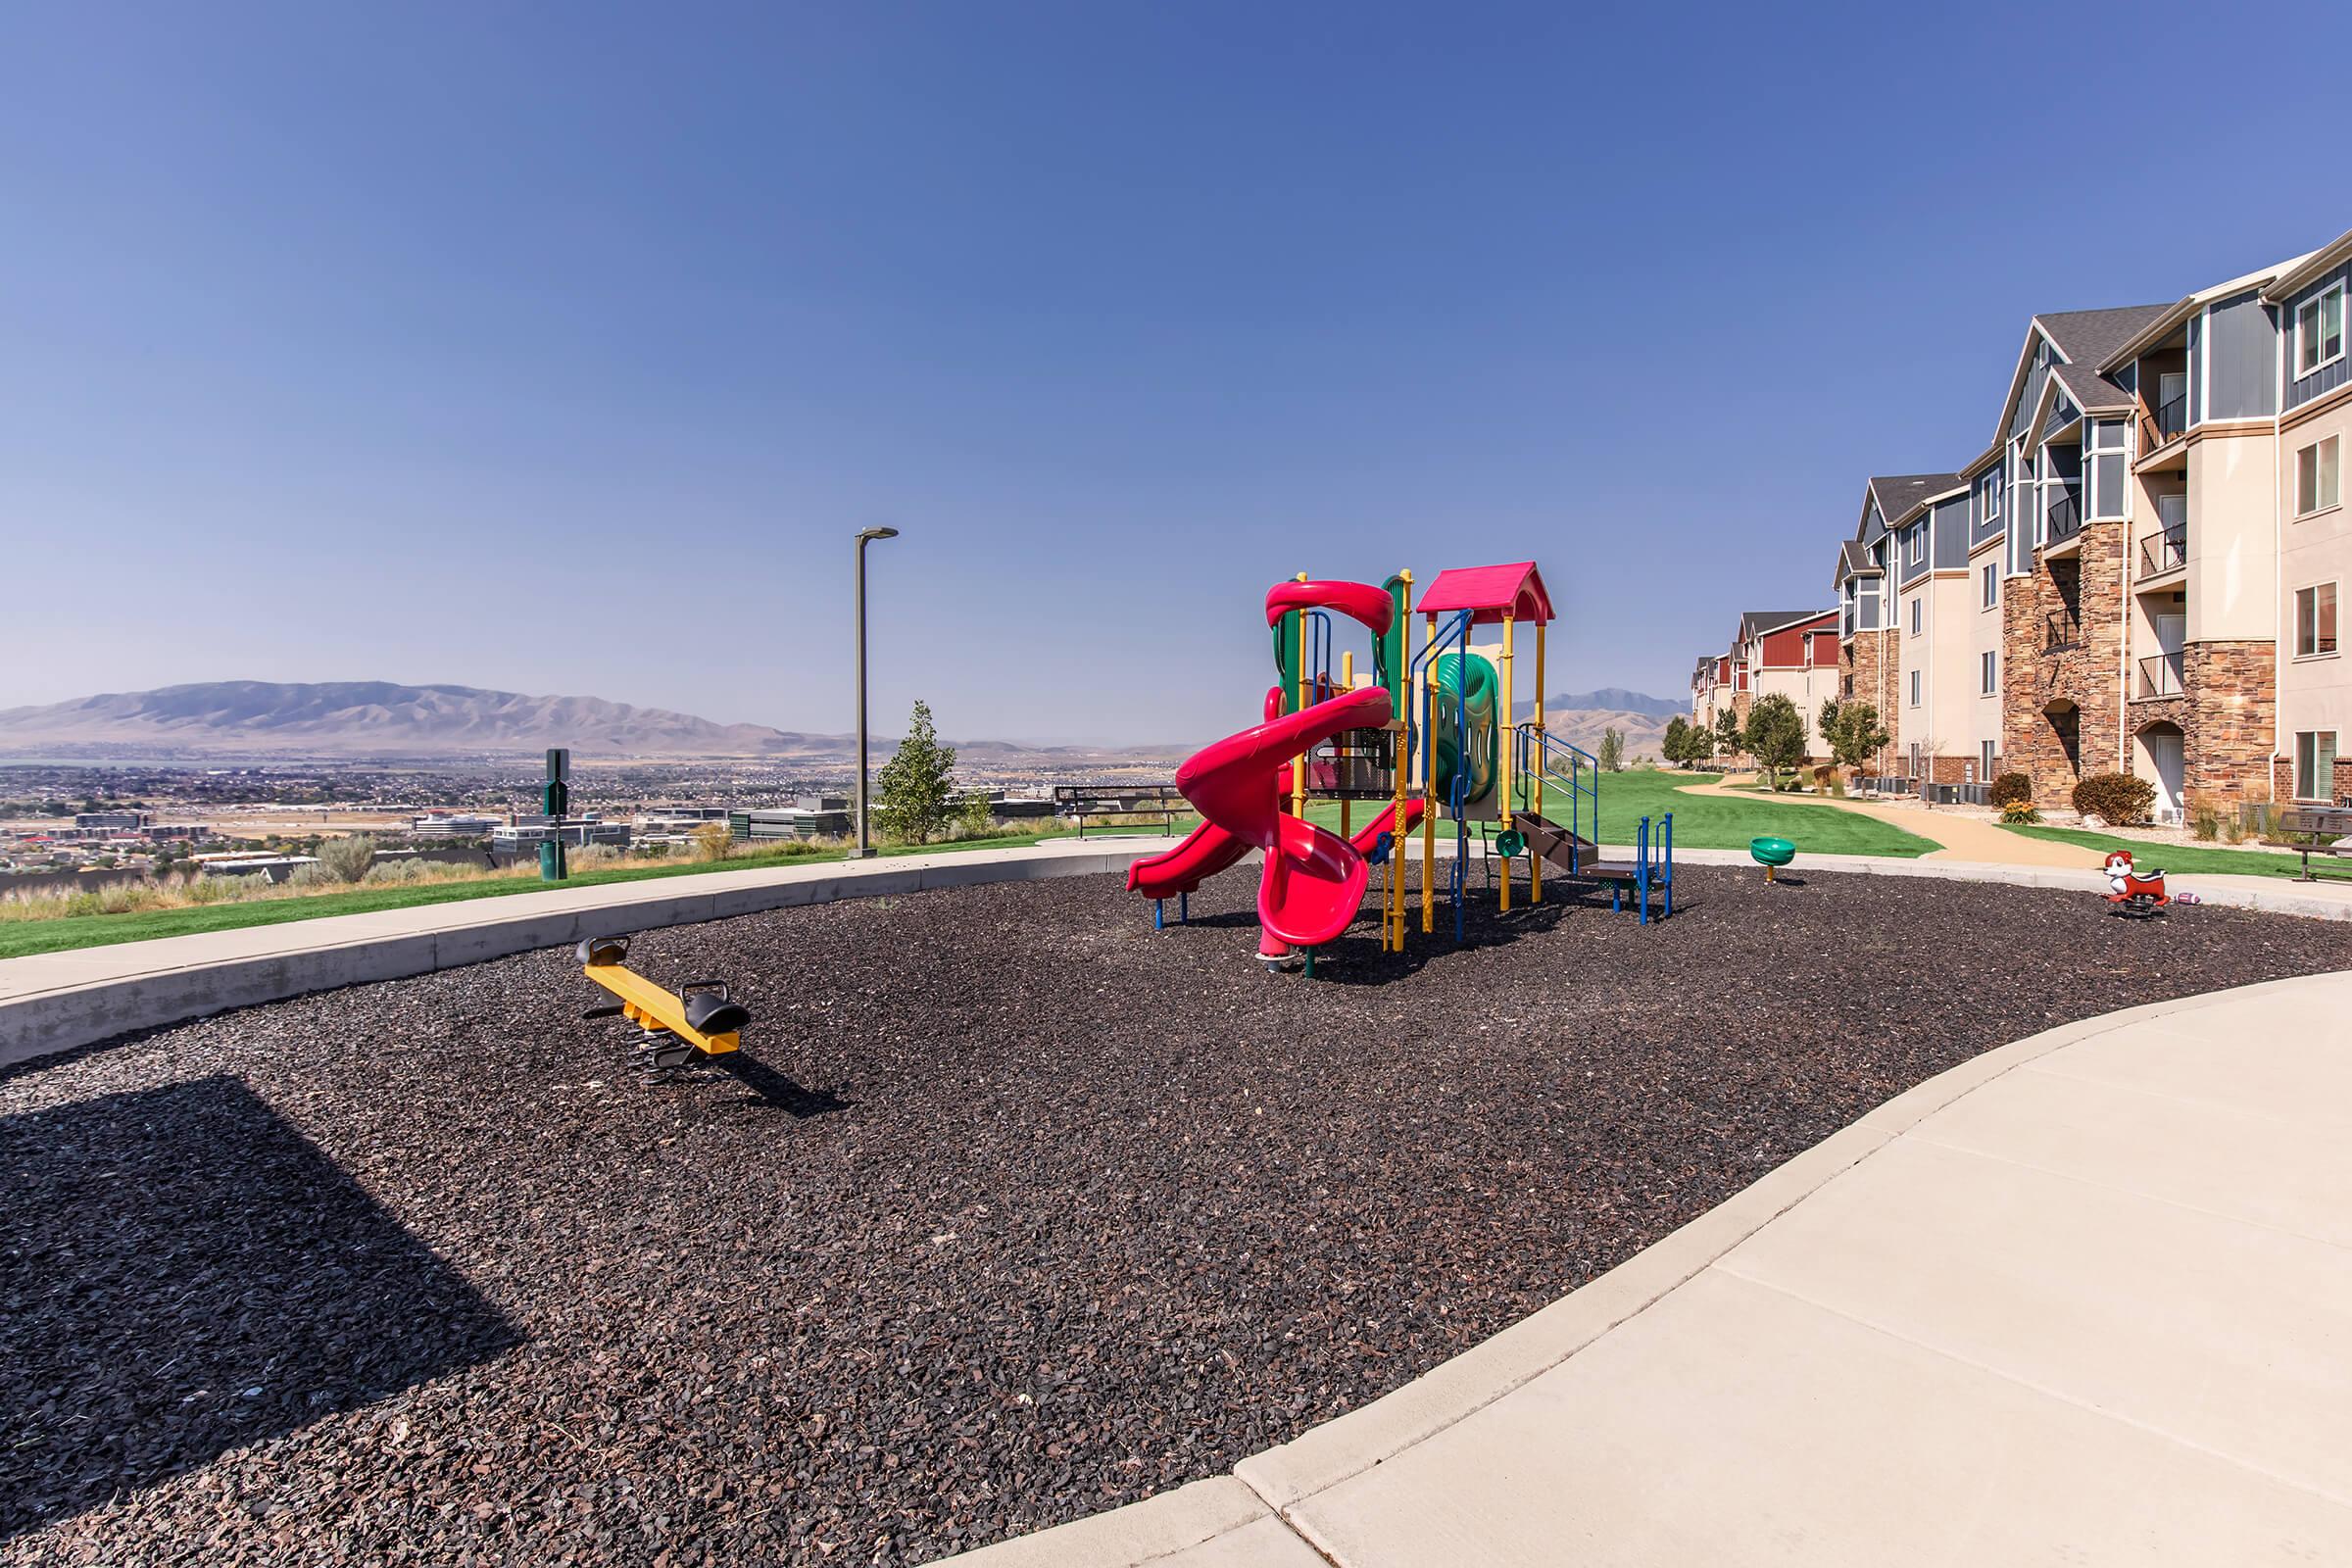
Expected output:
(562, 348)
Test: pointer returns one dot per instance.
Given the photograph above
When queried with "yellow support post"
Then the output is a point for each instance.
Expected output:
(1535, 863)
(1504, 740)
(1392, 913)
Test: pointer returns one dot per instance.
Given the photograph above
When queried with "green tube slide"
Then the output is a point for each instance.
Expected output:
(1445, 748)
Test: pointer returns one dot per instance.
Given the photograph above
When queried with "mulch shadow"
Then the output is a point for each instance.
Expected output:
(186, 1274)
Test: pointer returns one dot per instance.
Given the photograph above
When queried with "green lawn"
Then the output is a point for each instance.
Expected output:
(22, 937)
(2190, 860)
(1716, 822)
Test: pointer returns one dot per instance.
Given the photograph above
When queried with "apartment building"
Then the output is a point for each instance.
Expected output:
(2315, 538)
(2144, 572)
(1717, 686)
(1792, 653)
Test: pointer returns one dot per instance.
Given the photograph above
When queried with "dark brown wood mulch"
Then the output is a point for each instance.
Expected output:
(1037, 1212)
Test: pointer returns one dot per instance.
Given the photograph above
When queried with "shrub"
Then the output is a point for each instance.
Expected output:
(2010, 787)
(2204, 820)
(2020, 813)
(2117, 796)
(1823, 776)
(977, 820)
(345, 860)
(715, 841)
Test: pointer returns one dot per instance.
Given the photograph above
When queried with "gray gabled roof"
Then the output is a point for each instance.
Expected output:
(1756, 622)
(1853, 560)
(1899, 495)
(2087, 337)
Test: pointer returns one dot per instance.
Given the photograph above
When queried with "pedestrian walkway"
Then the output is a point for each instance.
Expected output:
(1963, 836)
(2085, 1298)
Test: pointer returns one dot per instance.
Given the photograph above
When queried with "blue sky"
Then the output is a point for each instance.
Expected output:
(562, 348)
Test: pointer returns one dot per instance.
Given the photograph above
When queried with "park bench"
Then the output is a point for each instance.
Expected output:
(2331, 824)
(1085, 802)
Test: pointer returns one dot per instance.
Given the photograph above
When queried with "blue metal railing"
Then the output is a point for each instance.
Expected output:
(1572, 769)
(1456, 634)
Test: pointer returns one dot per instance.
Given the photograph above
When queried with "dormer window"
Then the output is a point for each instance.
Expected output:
(2319, 331)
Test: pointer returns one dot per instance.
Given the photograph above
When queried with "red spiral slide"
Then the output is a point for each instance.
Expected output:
(1313, 884)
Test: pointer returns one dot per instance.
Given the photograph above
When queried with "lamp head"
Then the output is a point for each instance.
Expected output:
(877, 533)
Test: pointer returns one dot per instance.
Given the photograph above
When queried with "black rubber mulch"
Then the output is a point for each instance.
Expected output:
(1037, 1213)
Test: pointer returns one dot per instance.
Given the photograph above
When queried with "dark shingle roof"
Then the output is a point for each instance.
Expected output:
(1896, 493)
(1757, 621)
(1853, 560)
(2089, 337)
(2092, 392)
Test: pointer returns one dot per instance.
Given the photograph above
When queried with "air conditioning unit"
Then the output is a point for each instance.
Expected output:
(2167, 817)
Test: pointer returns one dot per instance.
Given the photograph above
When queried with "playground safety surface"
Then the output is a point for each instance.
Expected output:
(1040, 1214)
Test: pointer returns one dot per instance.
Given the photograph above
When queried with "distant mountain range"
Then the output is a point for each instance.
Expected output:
(385, 719)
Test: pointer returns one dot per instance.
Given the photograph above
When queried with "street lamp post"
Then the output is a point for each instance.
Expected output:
(865, 536)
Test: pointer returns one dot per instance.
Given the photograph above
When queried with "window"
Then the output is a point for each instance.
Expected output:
(2319, 477)
(1916, 603)
(1915, 543)
(2315, 620)
(2319, 331)
(1984, 761)
(1988, 497)
(1992, 585)
(2314, 765)
(2106, 462)
(1915, 688)
(1984, 672)
(1915, 759)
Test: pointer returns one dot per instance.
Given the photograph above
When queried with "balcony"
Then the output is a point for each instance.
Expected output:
(2062, 519)
(2166, 550)
(2160, 675)
(2061, 629)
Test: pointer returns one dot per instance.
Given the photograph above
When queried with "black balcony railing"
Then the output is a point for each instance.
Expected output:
(2171, 417)
(2063, 519)
(2061, 629)
(2164, 550)
(2160, 674)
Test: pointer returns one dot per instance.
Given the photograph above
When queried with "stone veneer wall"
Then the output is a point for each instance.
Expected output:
(2089, 674)
(1862, 659)
(2232, 718)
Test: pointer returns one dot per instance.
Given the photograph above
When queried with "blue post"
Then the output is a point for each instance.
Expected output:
(1669, 826)
(1183, 904)
(1642, 867)
(1160, 914)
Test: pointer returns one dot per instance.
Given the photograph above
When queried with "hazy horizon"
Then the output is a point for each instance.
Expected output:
(324, 324)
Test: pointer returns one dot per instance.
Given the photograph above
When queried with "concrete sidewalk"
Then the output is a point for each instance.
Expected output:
(56, 1001)
(2087, 1298)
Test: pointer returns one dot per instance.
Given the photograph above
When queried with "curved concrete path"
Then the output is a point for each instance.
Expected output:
(1964, 838)
(2087, 1298)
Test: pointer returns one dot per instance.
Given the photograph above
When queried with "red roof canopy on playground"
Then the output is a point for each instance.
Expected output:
(1489, 593)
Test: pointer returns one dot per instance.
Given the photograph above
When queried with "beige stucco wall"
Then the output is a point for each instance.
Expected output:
(2232, 535)
(2314, 693)
(1950, 720)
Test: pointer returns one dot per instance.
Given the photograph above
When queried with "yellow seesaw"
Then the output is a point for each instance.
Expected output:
(697, 1016)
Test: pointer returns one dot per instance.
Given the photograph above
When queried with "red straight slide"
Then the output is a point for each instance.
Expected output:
(1313, 884)
(1368, 838)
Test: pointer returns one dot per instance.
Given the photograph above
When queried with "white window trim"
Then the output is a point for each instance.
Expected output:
(2343, 331)
(1915, 545)
(1988, 497)
(1915, 687)
(2318, 511)
(2299, 656)
(1918, 614)
(1990, 593)
(2327, 789)
(1988, 679)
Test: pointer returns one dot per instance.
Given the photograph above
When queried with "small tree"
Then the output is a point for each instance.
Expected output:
(1852, 732)
(1728, 735)
(347, 860)
(913, 800)
(1776, 736)
(978, 820)
(1676, 743)
(1699, 745)
(1612, 749)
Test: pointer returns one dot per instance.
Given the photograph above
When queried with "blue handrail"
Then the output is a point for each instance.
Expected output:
(1581, 780)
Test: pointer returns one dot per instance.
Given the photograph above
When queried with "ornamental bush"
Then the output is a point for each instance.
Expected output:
(2117, 796)
(2011, 787)
(2020, 813)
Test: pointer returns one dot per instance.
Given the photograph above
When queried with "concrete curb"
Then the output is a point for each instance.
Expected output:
(1280, 1479)
(58, 1001)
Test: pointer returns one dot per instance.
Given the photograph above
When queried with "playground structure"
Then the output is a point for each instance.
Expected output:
(1428, 734)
